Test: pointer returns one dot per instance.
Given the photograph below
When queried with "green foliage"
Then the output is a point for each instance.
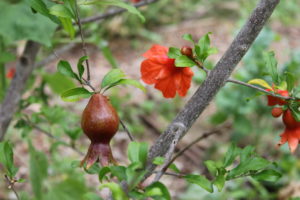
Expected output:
(174, 53)
(157, 191)
(137, 152)
(199, 180)
(7, 159)
(108, 54)
(17, 22)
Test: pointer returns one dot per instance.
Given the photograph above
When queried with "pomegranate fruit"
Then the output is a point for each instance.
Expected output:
(99, 122)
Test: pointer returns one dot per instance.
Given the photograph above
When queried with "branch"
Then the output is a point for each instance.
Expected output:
(259, 89)
(24, 68)
(215, 80)
(127, 131)
(11, 185)
(113, 12)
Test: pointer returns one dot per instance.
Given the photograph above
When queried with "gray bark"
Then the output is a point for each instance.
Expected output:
(24, 68)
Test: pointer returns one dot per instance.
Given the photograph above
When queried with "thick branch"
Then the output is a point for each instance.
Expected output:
(215, 80)
(24, 69)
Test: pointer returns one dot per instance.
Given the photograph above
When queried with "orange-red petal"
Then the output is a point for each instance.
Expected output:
(156, 50)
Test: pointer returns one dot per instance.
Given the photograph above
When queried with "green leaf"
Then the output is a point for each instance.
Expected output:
(103, 172)
(80, 66)
(135, 174)
(132, 82)
(158, 191)
(251, 164)
(65, 68)
(75, 94)
(271, 64)
(61, 10)
(108, 54)
(7, 159)
(246, 153)
(68, 26)
(211, 166)
(58, 82)
(174, 52)
(118, 3)
(184, 61)
(188, 37)
(117, 191)
(119, 172)
(138, 152)
(17, 22)
(269, 175)
(111, 77)
(231, 154)
(203, 49)
(38, 170)
(220, 181)
(290, 80)
(199, 180)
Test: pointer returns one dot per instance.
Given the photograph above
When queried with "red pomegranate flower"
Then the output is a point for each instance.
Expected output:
(272, 101)
(160, 70)
(291, 133)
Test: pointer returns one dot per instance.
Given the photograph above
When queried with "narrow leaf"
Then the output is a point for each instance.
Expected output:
(199, 180)
(271, 65)
(132, 82)
(75, 94)
(61, 10)
(68, 26)
(260, 82)
(111, 77)
(188, 37)
(80, 66)
(269, 175)
(158, 190)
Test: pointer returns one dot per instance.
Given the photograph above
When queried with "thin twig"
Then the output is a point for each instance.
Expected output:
(127, 131)
(167, 164)
(171, 174)
(113, 12)
(50, 135)
(11, 185)
(84, 49)
(260, 89)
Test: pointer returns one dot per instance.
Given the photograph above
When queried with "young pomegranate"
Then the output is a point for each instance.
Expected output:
(100, 123)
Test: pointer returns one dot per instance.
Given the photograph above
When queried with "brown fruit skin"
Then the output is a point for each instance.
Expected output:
(277, 112)
(187, 51)
(99, 120)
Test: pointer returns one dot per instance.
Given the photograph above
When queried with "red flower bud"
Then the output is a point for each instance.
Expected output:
(277, 112)
(187, 51)
(289, 120)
